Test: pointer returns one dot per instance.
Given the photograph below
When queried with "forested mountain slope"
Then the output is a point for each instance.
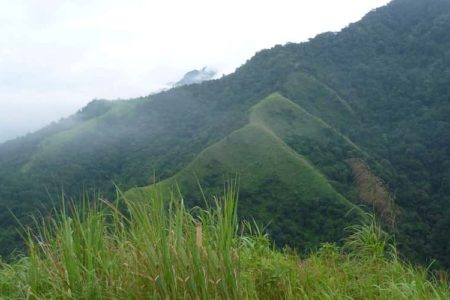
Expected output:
(378, 91)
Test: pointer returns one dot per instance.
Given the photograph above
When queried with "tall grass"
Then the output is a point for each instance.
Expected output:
(150, 252)
(159, 249)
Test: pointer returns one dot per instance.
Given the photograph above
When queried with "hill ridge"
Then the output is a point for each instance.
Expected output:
(252, 152)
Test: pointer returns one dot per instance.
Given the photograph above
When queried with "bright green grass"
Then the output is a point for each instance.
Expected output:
(258, 151)
(151, 251)
(255, 153)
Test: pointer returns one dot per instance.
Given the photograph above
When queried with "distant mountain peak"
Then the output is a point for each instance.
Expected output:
(196, 76)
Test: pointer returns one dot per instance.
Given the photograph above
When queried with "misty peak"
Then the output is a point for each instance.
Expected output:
(196, 76)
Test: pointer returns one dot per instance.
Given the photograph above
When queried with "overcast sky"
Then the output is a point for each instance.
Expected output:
(57, 55)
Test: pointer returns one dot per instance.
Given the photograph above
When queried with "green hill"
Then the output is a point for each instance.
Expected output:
(375, 93)
(277, 184)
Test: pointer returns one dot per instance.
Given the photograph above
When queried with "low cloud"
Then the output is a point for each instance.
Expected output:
(56, 56)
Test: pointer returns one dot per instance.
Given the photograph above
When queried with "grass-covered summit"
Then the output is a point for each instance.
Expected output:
(154, 249)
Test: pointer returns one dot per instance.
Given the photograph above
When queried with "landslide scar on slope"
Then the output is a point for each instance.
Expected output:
(373, 192)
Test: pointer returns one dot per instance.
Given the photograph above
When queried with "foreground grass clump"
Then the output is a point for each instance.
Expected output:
(160, 250)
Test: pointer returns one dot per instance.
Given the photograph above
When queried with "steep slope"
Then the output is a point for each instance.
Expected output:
(382, 83)
(392, 69)
(311, 136)
(277, 184)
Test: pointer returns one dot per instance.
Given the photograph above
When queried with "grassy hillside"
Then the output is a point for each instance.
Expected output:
(309, 135)
(270, 170)
(159, 251)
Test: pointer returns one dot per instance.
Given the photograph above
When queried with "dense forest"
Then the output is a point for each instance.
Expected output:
(297, 122)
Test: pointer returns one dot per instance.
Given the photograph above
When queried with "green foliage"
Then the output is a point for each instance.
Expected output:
(377, 91)
(97, 252)
(268, 168)
(368, 241)
(151, 250)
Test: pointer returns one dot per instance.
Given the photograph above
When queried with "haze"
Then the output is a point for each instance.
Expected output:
(56, 56)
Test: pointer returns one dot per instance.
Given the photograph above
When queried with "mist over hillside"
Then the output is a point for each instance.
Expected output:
(319, 132)
(196, 76)
(17, 124)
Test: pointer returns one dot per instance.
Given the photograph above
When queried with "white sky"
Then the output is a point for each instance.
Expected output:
(56, 56)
